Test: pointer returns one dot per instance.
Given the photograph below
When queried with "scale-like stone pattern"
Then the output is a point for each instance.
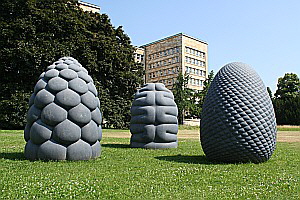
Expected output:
(154, 122)
(238, 121)
(64, 119)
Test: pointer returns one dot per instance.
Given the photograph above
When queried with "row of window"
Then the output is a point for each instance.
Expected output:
(197, 82)
(164, 62)
(166, 52)
(139, 57)
(191, 70)
(164, 72)
(194, 61)
(195, 52)
(192, 81)
(169, 81)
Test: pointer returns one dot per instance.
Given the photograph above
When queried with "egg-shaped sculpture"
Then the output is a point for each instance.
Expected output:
(154, 123)
(64, 119)
(238, 120)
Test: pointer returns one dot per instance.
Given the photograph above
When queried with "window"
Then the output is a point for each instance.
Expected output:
(165, 53)
(165, 63)
(193, 70)
(201, 83)
(204, 73)
(193, 51)
(177, 59)
(193, 61)
(196, 62)
(197, 82)
(197, 71)
(177, 49)
(161, 54)
(174, 50)
(165, 72)
(187, 69)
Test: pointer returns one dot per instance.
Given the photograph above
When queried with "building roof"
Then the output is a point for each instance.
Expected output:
(89, 5)
(178, 34)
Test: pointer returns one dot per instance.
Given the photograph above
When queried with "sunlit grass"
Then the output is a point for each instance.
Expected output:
(125, 173)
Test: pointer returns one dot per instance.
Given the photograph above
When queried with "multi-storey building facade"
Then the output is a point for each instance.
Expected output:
(166, 58)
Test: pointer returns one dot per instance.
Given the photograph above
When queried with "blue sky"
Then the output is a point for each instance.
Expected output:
(262, 33)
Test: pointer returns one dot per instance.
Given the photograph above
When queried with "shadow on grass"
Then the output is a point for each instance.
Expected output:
(13, 156)
(116, 146)
(189, 159)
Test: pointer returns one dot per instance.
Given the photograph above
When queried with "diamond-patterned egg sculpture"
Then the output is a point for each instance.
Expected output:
(238, 121)
(154, 122)
(64, 119)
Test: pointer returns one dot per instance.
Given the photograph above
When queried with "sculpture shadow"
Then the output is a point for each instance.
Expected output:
(120, 146)
(13, 156)
(189, 159)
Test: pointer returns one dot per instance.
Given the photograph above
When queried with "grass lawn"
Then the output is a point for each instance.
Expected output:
(125, 173)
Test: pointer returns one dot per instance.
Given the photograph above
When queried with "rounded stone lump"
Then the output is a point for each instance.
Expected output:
(64, 119)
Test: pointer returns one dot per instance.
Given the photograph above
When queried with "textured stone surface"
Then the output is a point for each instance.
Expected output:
(238, 121)
(154, 118)
(64, 118)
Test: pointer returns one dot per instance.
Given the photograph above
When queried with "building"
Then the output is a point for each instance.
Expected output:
(85, 6)
(139, 55)
(164, 59)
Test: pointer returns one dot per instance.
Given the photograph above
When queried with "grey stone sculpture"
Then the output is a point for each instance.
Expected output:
(64, 120)
(154, 122)
(238, 121)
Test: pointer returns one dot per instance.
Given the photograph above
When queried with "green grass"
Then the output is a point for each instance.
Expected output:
(279, 128)
(288, 128)
(126, 173)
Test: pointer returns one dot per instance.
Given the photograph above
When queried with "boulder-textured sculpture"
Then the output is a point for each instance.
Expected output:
(154, 122)
(64, 120)
(238, 121)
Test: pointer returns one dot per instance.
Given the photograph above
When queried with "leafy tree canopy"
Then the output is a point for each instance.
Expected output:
(35, 33)
(287, 100)
(288, 86)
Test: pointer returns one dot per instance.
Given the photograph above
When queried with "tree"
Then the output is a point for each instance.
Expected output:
(288, 86)
(35, 33)
(189, 101)
(206, 86)
(182, 95)
(270, 92)
(287, 100)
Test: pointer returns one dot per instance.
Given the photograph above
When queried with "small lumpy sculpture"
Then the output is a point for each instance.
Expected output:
(238, 121)
(64, 119)
(154, 122)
